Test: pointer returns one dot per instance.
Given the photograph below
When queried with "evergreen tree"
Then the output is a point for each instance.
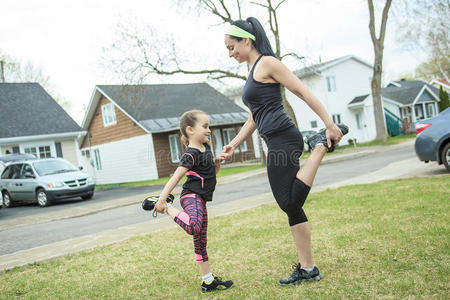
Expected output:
(444, 100)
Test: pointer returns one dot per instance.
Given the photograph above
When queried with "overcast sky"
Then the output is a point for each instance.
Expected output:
(66, 37)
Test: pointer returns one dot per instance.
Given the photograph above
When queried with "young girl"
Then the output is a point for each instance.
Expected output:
(200, 167)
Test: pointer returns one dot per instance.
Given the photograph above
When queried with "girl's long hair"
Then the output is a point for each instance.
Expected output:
(261, 43)
(189, 118)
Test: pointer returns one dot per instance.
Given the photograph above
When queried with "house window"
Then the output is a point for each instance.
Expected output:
(430, 110)
(313, 124)
(337, 118)
(331, 83)
(358, 121)
(217, 142)
(174, 142)
(39, 152)
(97, 159)
(228, 135)
(30, 150)
(109, 115)
(419, 112)
(44, 152)
(244, 144)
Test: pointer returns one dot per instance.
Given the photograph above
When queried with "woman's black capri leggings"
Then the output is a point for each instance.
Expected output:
(285, 148)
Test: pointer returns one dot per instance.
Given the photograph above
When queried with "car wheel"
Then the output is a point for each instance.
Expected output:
(87, 197)
(7, 200)
(445, 156)
(42, 198)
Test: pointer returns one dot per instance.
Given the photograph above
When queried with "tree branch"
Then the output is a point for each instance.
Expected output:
(372, 22)
(292, 54)
(213, 9)
(157, 70)
(384, 20)
(238, 3)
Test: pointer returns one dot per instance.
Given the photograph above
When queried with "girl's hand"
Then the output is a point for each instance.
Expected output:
(227, 152)
(161, 206)
(334, 134)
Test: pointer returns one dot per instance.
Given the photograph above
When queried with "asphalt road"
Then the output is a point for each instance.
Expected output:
(35, 235)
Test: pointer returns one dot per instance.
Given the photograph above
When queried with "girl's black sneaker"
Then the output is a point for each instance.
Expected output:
(300, 275)
(216, 284)
(321, 138)
(150, 202)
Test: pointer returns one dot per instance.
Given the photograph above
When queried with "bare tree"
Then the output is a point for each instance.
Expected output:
(378, 46)
(147, 57)
(424, 25)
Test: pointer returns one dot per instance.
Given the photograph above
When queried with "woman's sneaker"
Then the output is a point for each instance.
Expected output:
(320, 138)
(216, 284)
(150, 202)
(300, 275)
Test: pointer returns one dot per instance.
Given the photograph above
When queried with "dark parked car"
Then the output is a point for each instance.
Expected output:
(433, 139)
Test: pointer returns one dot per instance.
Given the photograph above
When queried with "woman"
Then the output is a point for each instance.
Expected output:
(246, 41)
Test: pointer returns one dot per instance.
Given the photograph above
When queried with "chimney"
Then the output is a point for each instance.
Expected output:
(2, 75)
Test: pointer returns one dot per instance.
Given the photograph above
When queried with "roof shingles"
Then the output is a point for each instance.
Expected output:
(158, 107)
(26, 109)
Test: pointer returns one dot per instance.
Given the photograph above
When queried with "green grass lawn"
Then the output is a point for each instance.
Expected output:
(387, 240)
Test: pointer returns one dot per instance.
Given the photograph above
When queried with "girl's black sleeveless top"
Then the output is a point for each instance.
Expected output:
(265, 102)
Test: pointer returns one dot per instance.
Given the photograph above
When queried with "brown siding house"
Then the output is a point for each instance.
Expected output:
(133, 131)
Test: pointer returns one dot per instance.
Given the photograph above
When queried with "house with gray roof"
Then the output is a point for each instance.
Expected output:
(414, 100)
(133, 130)
(31, 121)
(405, 102)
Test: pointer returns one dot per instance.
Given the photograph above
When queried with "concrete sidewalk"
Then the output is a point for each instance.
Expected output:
(401, 169)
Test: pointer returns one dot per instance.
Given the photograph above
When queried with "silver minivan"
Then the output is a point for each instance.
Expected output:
(44, 181)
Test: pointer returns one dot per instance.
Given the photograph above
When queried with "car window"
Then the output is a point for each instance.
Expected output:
(12, 172)
(6, 172)
(26, 169)
(47, 167)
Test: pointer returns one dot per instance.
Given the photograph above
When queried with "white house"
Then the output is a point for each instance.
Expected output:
(337, 83)
(32, 122)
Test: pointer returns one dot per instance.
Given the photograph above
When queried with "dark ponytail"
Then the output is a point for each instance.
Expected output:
(261, 43)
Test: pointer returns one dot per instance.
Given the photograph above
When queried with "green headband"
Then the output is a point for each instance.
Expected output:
(239, 32)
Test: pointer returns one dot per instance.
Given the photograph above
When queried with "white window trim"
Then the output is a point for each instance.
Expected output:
(37, 145)
(244, 147)
(335, 119)
(96, 154)
(108, 111)
(217, 138)
(177, 149)
(330, 83)
(226, 134)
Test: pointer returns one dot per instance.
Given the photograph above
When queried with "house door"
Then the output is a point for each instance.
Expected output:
(360, 132)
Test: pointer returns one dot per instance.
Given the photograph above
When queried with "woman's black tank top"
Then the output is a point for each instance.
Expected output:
(265, 102)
